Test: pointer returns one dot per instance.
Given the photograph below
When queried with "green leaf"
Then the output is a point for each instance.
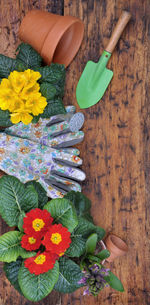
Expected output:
(80, 235)
(10, 247)
(82, 204)
(93, 258)
(91, 243)
(28, 56)
(63, 212)
(37, 287)
(15, 198)
(48, 90)
(69, 276)
(53, 107)
(103, 254)
(11, 271)
(5, 118)
(20, 221)
(7, 65)
(114, 282)
(77, 246)
(35, 119)
(21, 67)
(53, 74)
(42, 195)
(86, 228)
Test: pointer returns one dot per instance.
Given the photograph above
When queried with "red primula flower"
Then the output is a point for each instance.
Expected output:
(37, 222)
(40, 263)
(30, 243)
(57, 239)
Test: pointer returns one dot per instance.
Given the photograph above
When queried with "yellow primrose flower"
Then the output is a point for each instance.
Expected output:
(20, 94)
(32, 76)
(27, 91)
(6, 84)
(6, 96)
(36, 103)
(17, 80)
(24, 117)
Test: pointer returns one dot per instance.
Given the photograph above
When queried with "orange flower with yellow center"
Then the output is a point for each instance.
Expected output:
(57, 239)
(30, 243)
(37, 222)
(40, 263)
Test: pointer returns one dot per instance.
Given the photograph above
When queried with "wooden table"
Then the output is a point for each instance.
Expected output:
(116, 149)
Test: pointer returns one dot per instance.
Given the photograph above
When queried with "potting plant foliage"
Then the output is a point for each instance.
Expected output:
(29, 90)
(54, 244)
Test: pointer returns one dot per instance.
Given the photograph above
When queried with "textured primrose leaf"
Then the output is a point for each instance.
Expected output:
(20, 221)
(91, 243)
(69, 276)
(82, 204)
(114, 282)
(63, 212)
(54, 74)
(53, 107)
(11, 271)
(80, 235)
(5, 118)
(48, 90)
(10, 247)
(42, 195)
(86, 228)
(15, 198)
(7, 65)
(28, 56)
(103, 254)
(37, 287)
(77, 246)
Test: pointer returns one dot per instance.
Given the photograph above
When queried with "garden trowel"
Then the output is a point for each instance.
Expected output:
(96, 77)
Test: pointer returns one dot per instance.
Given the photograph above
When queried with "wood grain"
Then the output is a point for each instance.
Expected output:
(116, 149)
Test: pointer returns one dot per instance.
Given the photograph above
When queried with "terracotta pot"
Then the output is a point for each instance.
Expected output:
(56, 38)
(116, 246)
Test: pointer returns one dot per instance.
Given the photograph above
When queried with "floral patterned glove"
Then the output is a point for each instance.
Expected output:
(54, 169)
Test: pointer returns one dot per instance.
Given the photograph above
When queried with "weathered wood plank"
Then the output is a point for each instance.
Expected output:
(116, 146)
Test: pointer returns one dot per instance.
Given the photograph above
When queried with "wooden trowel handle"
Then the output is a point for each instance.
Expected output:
(121, 24)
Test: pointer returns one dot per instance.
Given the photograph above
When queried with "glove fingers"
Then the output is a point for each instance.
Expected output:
(66, 184)
(68, 172)
(52, 191)
(67, 159)
(72, 151)
(67, 140)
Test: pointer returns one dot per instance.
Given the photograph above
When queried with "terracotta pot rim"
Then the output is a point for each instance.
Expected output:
(117, 243)
(60, 28)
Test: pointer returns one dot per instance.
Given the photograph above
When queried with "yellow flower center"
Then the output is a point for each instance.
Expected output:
(32, 240)
(40, 259)
(61, 254)
(38, 224)
(56, 238)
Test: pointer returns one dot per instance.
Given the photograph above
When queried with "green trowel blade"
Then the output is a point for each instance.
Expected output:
(93, 82)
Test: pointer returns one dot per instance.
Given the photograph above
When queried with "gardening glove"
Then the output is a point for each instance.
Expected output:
(59, 131)
(29, 160)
